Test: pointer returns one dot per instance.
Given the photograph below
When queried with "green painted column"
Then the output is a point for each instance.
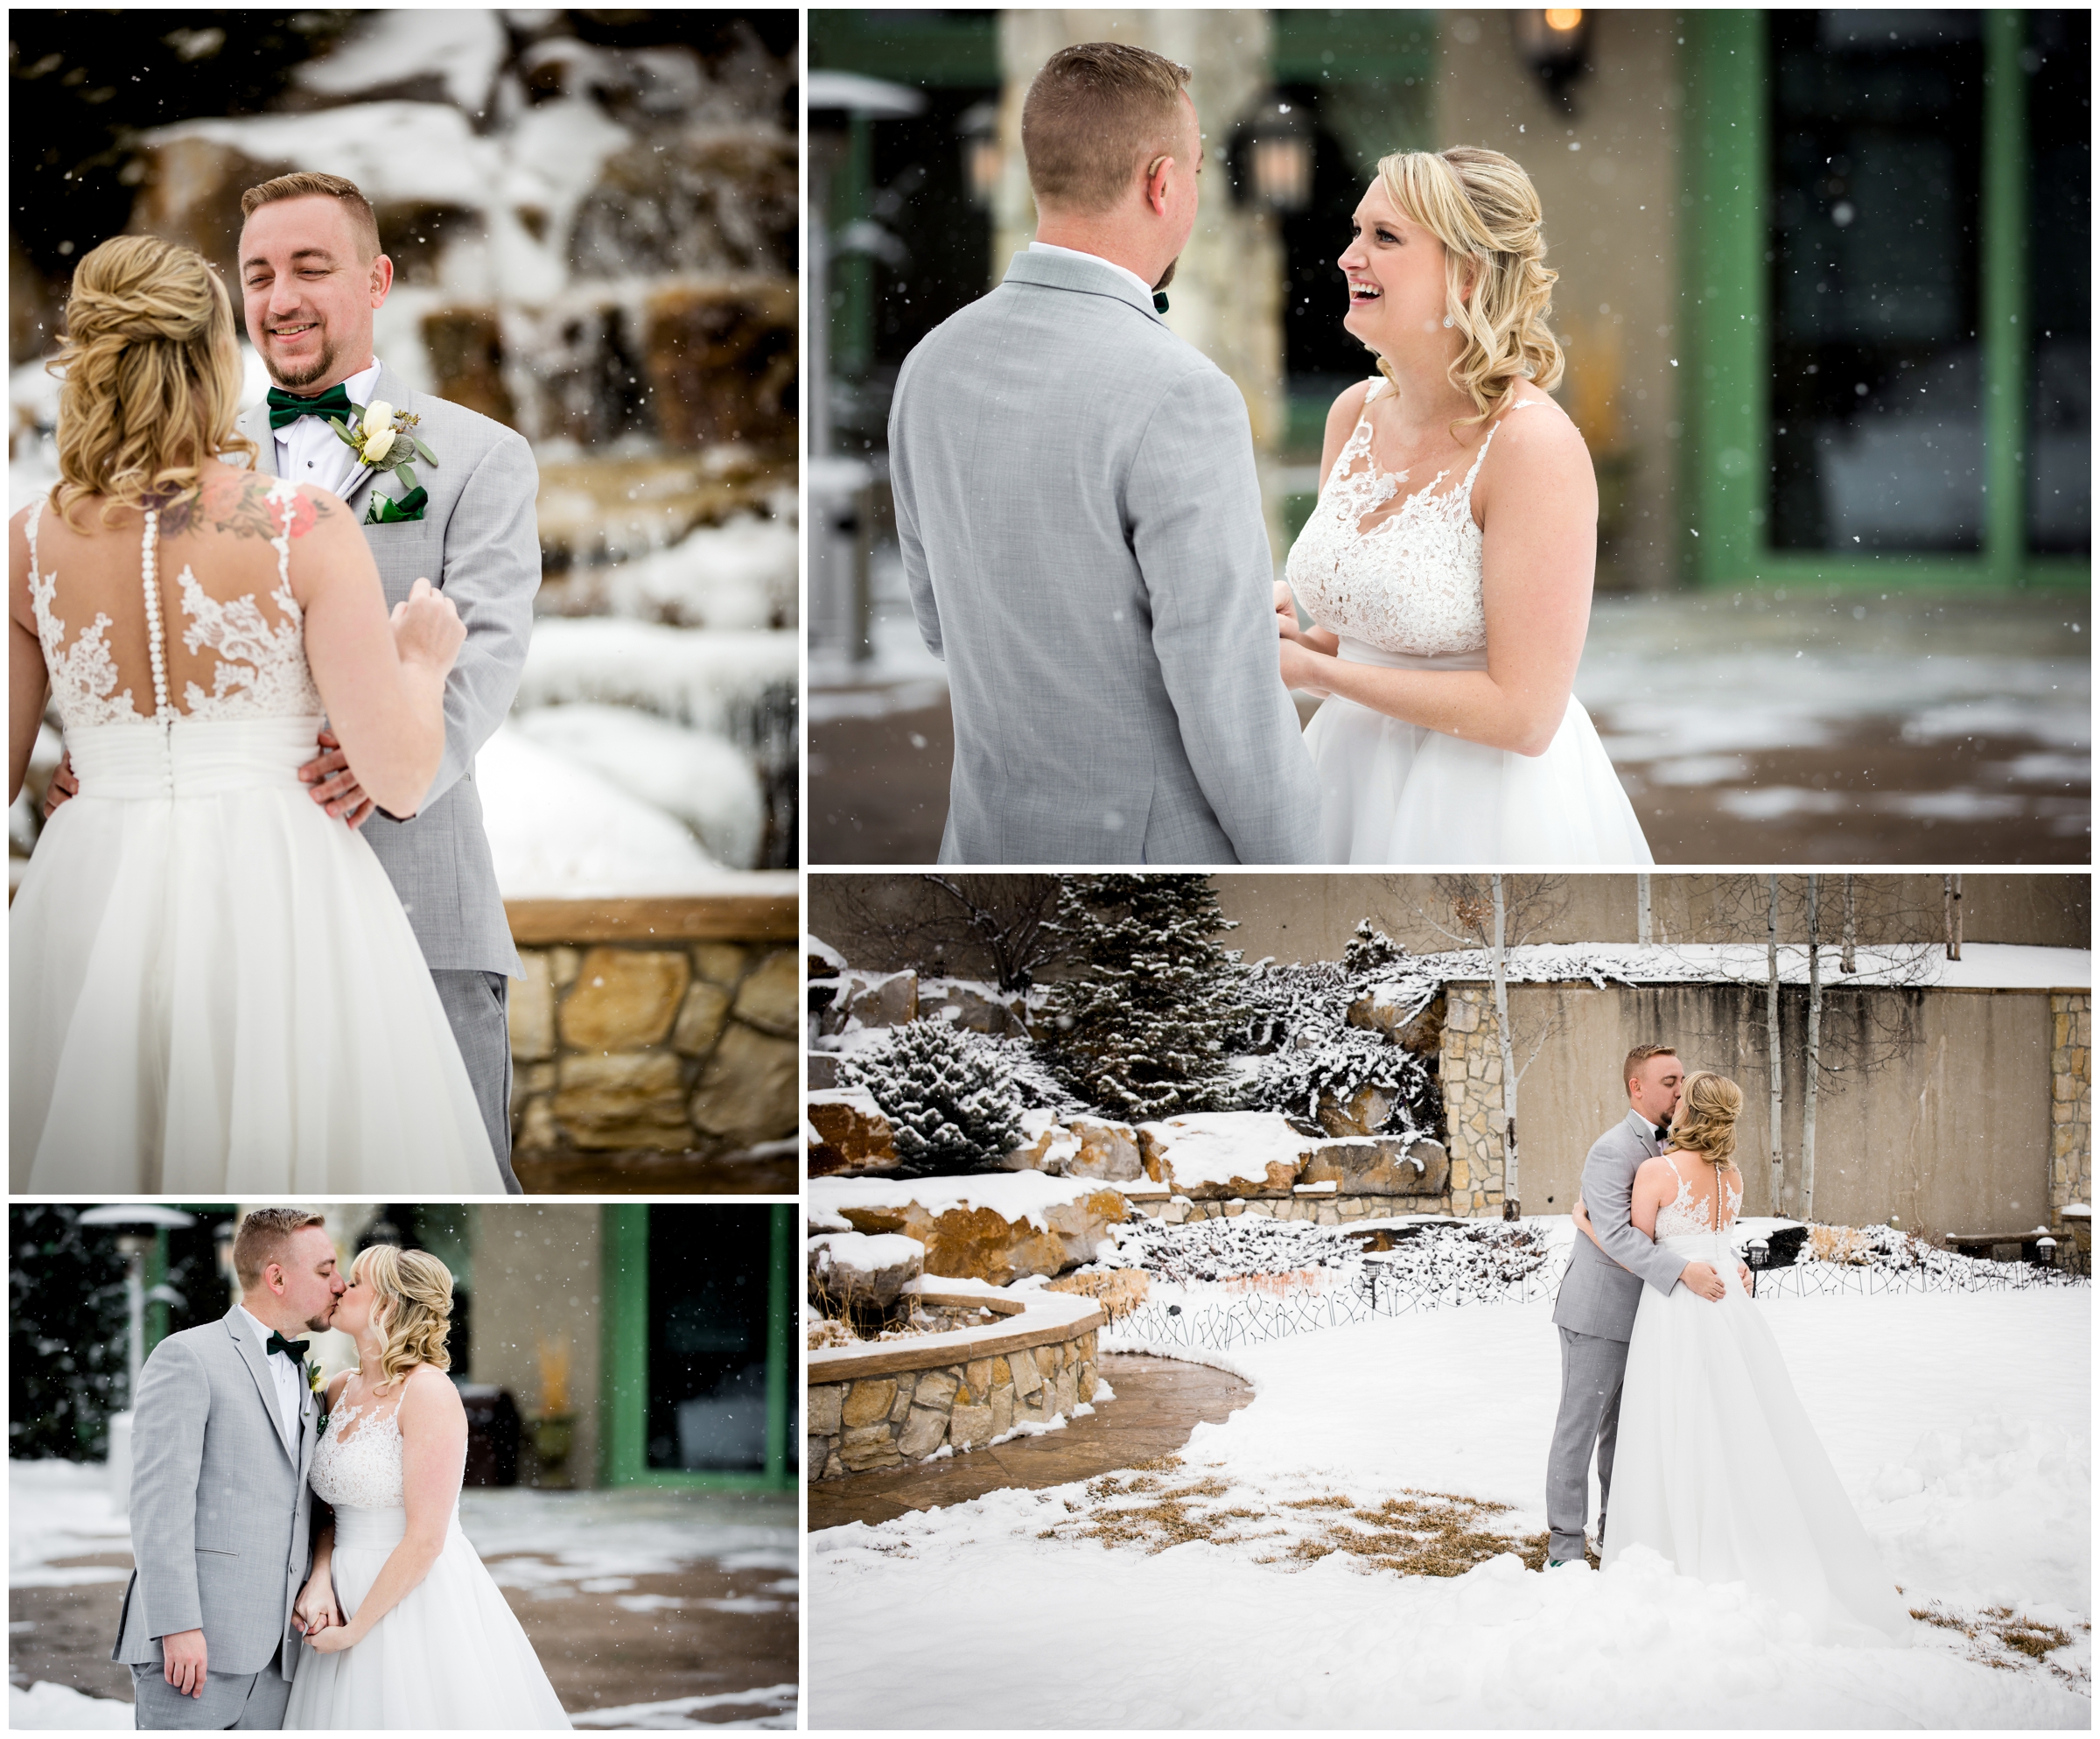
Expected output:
(156, 1274)
(2004, 297)
(624, 1383)
(1725, 399)
(781, 1363)
(853, 272)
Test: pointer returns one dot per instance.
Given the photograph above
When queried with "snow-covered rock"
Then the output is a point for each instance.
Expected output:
(1226, 1153)
(998, 1227)
(1081, 1146)
(850, 1135)
(975, 1007)
(1382, 1165)
(858, 1268)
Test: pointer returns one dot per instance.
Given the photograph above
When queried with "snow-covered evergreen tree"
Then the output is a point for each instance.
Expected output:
(949, 1099)
(1142, 1028)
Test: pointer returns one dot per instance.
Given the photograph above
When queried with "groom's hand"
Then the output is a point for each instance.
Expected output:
(182, 1662)
(63, 785)
(335, 787)
(1702, 1277)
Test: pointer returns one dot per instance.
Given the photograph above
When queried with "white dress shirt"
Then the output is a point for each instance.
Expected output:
(310, 450)
(1145, 289)
(288, 1374)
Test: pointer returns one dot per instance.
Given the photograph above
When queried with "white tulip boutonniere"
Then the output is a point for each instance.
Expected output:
(385, 439)
(317, 1386)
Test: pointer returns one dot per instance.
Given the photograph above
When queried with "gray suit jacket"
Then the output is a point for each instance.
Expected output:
(220, 1510)
(1082, 529)
(1600, 1293)
(479, 544)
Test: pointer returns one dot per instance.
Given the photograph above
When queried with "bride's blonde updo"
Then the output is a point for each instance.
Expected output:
(411, 1307)
(150, 376)
(1705, 1123)
(1482, 207)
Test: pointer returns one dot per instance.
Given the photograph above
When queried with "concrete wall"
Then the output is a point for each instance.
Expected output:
(537, 1272)
(1611, 210)
(1953, 1134)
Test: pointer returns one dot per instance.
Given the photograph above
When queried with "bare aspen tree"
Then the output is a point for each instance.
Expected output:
(1779, 1146)
(1845, 962)
(1815, 1049)
(1951, 904)
(1641, 905)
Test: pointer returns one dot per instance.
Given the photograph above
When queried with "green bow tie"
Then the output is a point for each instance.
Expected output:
(1159, 301)
(294, 1350)
(287, 408)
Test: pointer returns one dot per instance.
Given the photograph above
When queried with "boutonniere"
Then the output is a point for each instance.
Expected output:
(316, 1385)
(380, 435)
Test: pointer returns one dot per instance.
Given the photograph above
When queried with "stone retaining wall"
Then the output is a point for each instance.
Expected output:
(900, 1407)
(2070, 1102)
(653, 1030)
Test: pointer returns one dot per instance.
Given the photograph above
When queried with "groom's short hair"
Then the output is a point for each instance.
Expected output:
(1097, 112)
(263, 1238)
(307, 185)
(1636, 1059)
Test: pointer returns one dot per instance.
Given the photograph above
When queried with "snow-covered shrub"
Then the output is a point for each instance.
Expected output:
(950, 1099)
(1143, 1028)
(1299, 1025)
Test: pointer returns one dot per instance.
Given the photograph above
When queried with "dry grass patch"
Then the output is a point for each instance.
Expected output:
(1998, 1632)
(1423, 1534)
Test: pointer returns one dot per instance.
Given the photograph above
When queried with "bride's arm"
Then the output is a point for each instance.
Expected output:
(433, 1460)
(28, 683)
(381, 679)
(1538, 501)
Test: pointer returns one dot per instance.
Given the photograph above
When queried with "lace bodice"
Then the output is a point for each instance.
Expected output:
(359, 1469)
(257, 671)
(1688, 1218)
(1406, 581)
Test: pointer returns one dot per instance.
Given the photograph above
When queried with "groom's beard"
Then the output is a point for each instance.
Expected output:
(318, 370)
(1167, 276)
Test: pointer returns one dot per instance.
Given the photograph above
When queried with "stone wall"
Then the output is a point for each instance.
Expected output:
(905, 1414)
(1471, 1071)
(2071, 1103)
(653, 1043)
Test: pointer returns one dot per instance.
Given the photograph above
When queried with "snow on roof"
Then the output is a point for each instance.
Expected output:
(1014, 1195)
(1984, 965)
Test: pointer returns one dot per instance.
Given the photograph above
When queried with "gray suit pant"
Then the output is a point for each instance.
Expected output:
(1593, 1370)
(230, 1699)
(477, 1005)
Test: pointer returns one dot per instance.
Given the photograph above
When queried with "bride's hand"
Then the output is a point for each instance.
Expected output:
(333, 1640)
(315, 1609)
(427, 629)
(1300, 667)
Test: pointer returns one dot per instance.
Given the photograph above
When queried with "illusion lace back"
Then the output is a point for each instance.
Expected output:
(1403, 579)
(449, 1654)
(1687, 1217)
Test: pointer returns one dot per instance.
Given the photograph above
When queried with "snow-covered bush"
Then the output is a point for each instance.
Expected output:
(950, 1099)
(1143, 1028)
(1298, 1024)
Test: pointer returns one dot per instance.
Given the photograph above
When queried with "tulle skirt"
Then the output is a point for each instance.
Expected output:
(1720, 1470)
(1395, 793)
(451, 1655)
(214, 990)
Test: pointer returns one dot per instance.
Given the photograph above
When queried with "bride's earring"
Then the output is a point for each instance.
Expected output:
(1447, 322)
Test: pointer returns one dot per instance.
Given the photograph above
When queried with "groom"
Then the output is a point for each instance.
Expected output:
(311, 277)
(1600, 1295)
(222, 1433)
(1081, 524)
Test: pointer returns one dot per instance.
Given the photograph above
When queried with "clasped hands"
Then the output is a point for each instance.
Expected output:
(317, 1616)
(1299, 656)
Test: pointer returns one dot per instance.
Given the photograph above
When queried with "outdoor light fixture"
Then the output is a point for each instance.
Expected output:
(1756, 1254)
(1272, 157)
(1555, 44)
(983, 159)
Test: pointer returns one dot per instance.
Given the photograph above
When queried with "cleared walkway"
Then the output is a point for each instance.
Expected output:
(1158, 1402)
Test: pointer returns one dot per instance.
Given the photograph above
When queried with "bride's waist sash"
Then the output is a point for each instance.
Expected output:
(1700, 1243)
(377, 1530)
(1363, 652)
(192, 757)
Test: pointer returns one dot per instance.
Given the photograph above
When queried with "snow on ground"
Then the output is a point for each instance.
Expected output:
(778, 1700)
(1960, 1424)
(45, 1707)
(61, 1509)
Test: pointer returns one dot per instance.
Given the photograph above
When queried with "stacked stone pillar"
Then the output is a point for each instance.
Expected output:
(2070, 1102)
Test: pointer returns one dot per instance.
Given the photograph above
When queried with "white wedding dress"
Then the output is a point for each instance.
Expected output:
(449, 1654)
(214, 991)
(1405, 593)
(1718, 1468)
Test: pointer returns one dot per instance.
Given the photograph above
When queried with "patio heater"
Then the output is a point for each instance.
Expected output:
(140, 1226)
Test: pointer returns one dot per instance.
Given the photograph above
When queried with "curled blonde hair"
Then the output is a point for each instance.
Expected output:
(1482, 207)
(1706, 1121)
(151, 376)
(413, 1309)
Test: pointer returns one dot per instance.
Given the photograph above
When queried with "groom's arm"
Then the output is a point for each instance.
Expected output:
(491, 573)
(1194, 503)
(1607, 1192)
(904, 502)
(167, 1458)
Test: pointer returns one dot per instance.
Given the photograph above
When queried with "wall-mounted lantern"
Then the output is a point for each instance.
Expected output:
(983, 161)
(1555, 44)
(1272, 157)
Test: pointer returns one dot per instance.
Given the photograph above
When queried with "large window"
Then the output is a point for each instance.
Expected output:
(2058, 62)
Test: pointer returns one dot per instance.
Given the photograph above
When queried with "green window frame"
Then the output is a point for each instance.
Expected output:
(1725, 321)
(623, 1409)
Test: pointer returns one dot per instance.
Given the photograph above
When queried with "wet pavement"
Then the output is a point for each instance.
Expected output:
(1158, 1402)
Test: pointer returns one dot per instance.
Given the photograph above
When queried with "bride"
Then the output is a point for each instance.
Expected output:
(404, 1626)
(1718, 1467)
(214, 989)
(1450, 593)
